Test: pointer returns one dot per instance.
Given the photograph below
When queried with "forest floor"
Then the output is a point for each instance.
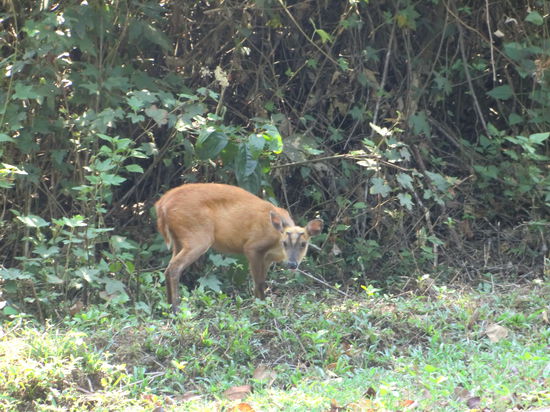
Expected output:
(442, 348)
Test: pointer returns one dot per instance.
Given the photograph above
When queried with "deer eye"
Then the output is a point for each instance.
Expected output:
(303, 244)
(285, 243)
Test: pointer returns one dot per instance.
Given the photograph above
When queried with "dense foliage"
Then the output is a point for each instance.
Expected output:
(417, 130)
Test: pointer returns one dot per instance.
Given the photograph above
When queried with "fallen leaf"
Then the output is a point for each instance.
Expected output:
(363, 405)
(265, 374)
(335, 408)
(188, 396)
(242, 407)
(408, 404)
(496, 332)
(461, 393)
(370, 393)
(474, 402)
(77, 307)
(332, 366)
(238, 392)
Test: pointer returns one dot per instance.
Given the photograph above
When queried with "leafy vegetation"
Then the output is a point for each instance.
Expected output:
(419, 132)
(436, 349)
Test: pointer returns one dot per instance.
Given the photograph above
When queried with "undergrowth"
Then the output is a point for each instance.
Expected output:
(443, 349)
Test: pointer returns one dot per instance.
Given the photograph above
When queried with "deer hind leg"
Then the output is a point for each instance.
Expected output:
(185, 253)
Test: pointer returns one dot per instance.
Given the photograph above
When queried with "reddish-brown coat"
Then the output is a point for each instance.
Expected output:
(195, 217)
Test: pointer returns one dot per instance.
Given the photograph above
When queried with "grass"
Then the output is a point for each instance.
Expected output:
(298, 351)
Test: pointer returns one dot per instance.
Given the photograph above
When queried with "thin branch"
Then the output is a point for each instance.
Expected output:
(384, 77)
(287, 11)
(469, 77)
(323, 282)
(490, 40)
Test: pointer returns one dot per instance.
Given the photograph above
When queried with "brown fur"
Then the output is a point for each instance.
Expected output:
(192, 218)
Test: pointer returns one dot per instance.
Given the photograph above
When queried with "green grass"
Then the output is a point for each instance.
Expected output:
(315, 349)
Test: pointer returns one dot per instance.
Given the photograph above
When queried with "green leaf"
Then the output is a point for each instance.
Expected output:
(160, 116)
(5, 138)
(406, 200)
(156, 36)
(133, 168)
(44, 252)
(419, 123)
(114, 286)
(121, 243)
(112, 180)
(438, 180)
(535, 18)
(103, 165)
(273, 138)
(405, 181)
(221, 260)
(325, 37)
(379, 187)
(501, 92)
(210, 282)
(75, 221)
(210, 145)
(14, 274)
(538, 138)
(88, 274)
(33, 221)
(24, 92)
(256, 145)
(245, 164)
(53, 279)
(514, 119)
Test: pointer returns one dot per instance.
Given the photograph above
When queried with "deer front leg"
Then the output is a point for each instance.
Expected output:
(258, 270)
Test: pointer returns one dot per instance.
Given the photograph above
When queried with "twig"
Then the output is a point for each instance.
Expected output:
(322, 282)
(342, 156)
(384, 77)
(469, 77)
(287, 11)
(490, 41)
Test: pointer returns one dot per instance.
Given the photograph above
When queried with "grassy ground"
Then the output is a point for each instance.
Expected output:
(440, 349)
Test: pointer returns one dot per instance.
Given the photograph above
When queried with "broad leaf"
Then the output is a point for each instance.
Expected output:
(211, 145)
(406, 200)
(379, 187)
(501, 92)
(405, 181)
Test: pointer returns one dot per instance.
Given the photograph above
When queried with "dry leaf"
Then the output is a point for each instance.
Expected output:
(363, 405)
(77, 307)
(496, 332)
(242, 407)
(188, 396)
(462, 393)
(335, 408)
(408, 404)
(332, 366)
(474, 402)
(238, 392)
(370, 393)
(263, 373)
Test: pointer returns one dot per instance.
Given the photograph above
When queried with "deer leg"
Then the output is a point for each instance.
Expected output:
(179, 262)
(258, 270)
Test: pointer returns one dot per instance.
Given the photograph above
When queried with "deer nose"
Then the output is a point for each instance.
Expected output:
(292, 265)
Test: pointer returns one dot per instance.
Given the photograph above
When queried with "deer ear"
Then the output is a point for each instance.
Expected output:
(276, 221)
(314, 227)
